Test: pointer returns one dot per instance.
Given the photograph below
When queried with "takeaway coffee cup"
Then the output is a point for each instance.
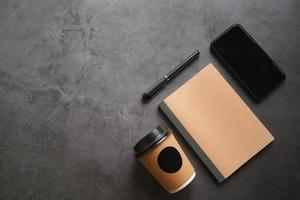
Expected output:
(161, 154)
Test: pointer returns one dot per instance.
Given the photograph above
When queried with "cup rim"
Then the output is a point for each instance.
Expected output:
(156, 136)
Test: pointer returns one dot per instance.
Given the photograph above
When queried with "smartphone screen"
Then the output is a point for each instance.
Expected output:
(248, 61)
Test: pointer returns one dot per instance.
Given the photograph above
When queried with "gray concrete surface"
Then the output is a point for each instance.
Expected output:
(72, 74)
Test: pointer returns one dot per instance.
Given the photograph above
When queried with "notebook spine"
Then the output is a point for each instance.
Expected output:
(180, 128)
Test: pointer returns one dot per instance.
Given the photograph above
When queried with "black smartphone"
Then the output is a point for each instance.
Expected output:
(247, 61)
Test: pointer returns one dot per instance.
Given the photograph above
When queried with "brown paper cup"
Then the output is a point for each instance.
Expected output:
(161, 154)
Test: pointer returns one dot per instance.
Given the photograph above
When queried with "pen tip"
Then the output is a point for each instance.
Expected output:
(145, 96)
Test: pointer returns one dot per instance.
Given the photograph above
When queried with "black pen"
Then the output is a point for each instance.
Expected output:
(163, 81)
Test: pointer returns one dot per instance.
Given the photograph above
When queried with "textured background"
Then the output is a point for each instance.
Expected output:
(72, 74)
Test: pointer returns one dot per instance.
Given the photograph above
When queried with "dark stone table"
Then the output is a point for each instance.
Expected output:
(71, 78)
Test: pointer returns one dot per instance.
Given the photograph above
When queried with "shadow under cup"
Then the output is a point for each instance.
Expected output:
(161, 154)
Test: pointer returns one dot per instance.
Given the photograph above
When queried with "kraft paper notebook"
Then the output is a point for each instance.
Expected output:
(215, 121)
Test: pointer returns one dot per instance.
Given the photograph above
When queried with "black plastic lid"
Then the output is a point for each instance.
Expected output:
(156, 135)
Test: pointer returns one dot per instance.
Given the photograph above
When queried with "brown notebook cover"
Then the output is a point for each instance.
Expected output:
(215, 121)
